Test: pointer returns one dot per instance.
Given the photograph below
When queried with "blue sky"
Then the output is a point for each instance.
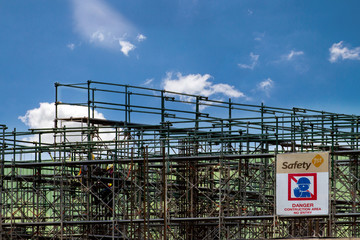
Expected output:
(283, 53)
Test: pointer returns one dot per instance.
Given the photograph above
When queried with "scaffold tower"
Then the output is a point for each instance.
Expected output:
(167, 165)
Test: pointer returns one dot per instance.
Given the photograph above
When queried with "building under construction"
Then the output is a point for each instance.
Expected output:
(166, 165)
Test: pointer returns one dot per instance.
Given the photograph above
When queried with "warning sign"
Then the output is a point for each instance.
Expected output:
(302, 184)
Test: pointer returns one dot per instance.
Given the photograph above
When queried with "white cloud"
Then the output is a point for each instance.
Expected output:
(254, 59)
(97, 37)
(258, 36)
(227, 90)
(197, 84)
(250, 12)
(126, 47)
(103, 26)
(266, 86)
(140, 38)
(44, 115)
(295, 60)
(338, 51)
(293, 54)
(148, 81)
(71, 46)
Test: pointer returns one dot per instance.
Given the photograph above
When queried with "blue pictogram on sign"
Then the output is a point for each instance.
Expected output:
(302, 191)
(302, 186)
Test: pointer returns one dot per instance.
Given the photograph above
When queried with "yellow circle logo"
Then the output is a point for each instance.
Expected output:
(317, 160)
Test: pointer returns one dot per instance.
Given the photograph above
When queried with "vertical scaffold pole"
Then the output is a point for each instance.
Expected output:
(62, 197)
(126, 104)
(230, 115)
(262, 128)
(93, 103)
(88, 120)
(2, 172)
(114, 184)
(12, 185)
(163, 166)
(132, 198)
(88, 174)
(332, 211)
(37, 187)
(56, 105)
(357, 133)
(220, 179)
(129, 106)
(164, 192)
(145, 216)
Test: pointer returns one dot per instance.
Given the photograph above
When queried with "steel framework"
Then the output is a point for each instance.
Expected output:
(169, 166)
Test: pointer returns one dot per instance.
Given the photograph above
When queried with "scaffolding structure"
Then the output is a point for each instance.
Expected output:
(169, 166)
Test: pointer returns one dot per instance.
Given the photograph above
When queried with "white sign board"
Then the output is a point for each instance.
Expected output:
(302, 184)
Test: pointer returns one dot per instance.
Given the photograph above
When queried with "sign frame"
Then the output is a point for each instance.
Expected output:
(308, 197)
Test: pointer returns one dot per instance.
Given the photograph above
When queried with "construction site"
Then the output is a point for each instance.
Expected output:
(167, 165)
